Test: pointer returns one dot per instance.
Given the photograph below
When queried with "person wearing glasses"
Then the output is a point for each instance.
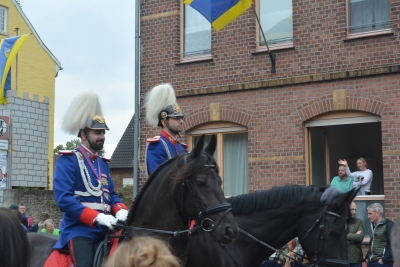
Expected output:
(163, 111)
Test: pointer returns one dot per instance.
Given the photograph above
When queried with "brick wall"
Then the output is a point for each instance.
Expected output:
(319, 38)
(36, 202)
(275, 107)
(117, 174)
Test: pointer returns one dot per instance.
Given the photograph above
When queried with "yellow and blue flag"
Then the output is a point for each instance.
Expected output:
(8, 50)
(219, 12)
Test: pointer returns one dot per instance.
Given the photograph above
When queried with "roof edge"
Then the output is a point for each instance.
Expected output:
(58, 63)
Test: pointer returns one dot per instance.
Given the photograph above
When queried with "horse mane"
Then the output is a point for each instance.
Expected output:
(148, 182)
(273, 198)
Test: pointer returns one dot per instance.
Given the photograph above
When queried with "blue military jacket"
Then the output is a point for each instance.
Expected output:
(161, 148)
(70, 176)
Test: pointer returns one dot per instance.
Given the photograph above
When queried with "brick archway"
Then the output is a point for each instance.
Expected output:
(231, 115)
(324, 104)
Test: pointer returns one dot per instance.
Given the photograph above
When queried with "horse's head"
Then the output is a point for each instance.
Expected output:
(325, 239)
(198, 188)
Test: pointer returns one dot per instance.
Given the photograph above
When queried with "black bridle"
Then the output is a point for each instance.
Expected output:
(319, 258)
(315, 261)
(202, 210)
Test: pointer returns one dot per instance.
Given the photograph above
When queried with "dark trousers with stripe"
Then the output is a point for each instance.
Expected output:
(82, 250)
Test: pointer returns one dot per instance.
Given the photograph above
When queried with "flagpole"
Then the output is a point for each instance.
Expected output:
(271, 55)
(16, 64)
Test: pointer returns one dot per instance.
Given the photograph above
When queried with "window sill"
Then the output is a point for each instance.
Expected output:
(369, 197)
(5, 34)
(275, 47)
(195, 59)
(368, 34)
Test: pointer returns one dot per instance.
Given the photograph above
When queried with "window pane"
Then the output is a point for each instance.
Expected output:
(2, 19)
(235, 164)
(369, 15)
(276, 21)
(197, 33)
(318, 157)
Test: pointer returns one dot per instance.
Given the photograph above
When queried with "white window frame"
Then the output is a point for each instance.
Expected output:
(5, 20)
(365, 33)
(127, 181)
(219, 129)
(260, 39)
(183, 58)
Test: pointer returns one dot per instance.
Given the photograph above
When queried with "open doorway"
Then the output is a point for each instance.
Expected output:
(350, 138)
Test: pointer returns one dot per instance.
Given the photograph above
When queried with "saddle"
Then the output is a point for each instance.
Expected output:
(61, 257)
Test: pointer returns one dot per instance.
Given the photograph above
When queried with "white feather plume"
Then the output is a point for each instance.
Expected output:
(80, 113)
(157, 99)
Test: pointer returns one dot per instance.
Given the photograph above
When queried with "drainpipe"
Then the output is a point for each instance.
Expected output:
(136, 147)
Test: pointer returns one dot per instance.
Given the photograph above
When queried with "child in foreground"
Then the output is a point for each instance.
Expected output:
(143, 251)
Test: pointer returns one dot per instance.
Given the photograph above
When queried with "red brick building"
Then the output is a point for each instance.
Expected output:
(335, 93)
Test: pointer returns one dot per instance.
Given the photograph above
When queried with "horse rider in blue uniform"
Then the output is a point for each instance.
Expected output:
(83, 188)
(163, 111)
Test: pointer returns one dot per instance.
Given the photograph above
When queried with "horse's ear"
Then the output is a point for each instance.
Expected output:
(344, 199)
(199, 147)
(210, 149)
(352, 194)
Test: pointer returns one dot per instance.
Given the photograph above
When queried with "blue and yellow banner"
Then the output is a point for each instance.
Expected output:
(8, 50)
(219, 12)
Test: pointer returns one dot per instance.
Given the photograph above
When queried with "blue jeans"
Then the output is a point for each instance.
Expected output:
(269, 263)
(377, 264)
(355, 264)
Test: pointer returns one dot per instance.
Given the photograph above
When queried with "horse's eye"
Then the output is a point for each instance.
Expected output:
(200, 180)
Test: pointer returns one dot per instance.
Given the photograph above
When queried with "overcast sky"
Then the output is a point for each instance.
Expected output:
(94, 41)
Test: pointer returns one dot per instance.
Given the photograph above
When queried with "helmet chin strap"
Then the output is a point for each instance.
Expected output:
(169, 128)
(90, 143)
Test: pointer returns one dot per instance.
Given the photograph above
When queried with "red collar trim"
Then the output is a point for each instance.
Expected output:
(90, 153)
(169, 137)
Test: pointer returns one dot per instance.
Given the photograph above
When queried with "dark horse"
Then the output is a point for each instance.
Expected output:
(14, 249)
(185, 187)
(275, 217)
(395, 241)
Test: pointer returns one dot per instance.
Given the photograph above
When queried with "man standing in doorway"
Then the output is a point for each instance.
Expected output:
(380, 251)
(342, 182)
(163, 111)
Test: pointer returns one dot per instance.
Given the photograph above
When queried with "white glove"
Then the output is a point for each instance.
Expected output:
(121, 215)
(106, 220)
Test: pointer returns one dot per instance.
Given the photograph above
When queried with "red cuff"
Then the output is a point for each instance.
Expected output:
(88, 215)
(117, 207)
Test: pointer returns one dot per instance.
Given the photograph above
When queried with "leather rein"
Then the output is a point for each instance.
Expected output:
(315, 261)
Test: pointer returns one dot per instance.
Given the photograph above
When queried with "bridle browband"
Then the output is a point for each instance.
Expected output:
(315, 261)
